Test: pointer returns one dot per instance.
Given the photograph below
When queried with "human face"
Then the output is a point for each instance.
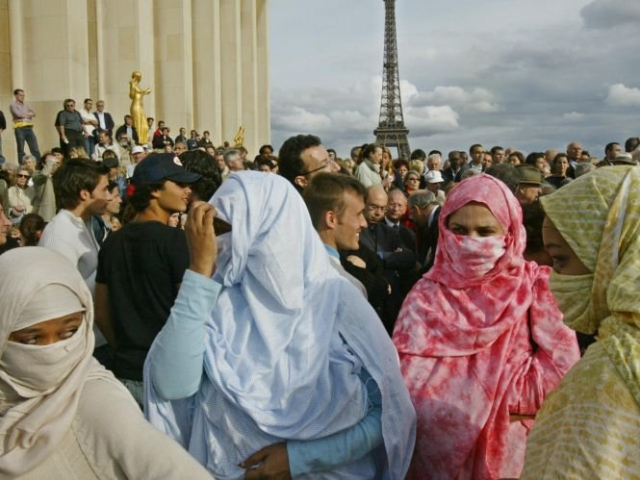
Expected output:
(562, 165)
(541, 164)
(454, 162)
(574, 150)
(100, 197)
(113, 207)
(137, 157)
(22, 178)
(403, 171)
(412, 181)
(219, 159)
(183, 131)
(434, 187)
(433, 163)
(514, 160)
(179, 148)
(100, 106)
(161, 126)
(20, 96)
(487, 160)
(397, 206)
(527, 193)
(476, 155)
(103, 137)
(475, 220)
(386, 158)
(376, 206)
(88, 105)
(265, 168)
(29, 164)
(49, 331)
(498, 156)
(4, 226)
(613, 152)
(564, 259)
(375, 156)
(350, 223)
(70, 106)
(316, 159)
(128, 120)
(173, 197)
(236, 164)
(150, 122)
(174, 220)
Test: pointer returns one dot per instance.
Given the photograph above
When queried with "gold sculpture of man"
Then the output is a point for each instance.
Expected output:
(238, 140)
(137, 112)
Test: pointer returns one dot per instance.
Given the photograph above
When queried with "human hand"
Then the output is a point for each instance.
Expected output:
(357, 261)
(272, 461)
(201, 238)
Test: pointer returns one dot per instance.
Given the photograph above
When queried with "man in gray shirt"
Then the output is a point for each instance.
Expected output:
(69, 125)
(23, 116)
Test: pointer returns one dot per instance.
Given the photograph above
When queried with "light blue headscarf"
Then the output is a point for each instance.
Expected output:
(287, 339)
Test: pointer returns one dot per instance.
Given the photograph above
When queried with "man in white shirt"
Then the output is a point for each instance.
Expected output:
(89, 124)
(81, 188)
(105, 120)
(105, 143)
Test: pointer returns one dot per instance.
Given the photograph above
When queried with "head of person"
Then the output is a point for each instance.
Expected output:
(506, 173)
(113, 207)
(355, 153)
(433, 181)
(434, 161)
(183, 131)
(82, 186)
(165, 131)
(536, 159)
(336, 206)
(150, 121)
(22, 178)
(529, 186)
(417, 166)
(31, 227)
(18, 93)
(560, 165)
(591, 232)
(160, 125)
(162, 184)
(128, 120)
(179, 148)
(104, 137)
(69, 105)
(386, 163)
(412, 181)
(206, 134)
(477, 152)
(487, 159)
(174, 220)
(233, 160)
(497, 153)
(421, 203)
(88, 104)
(193, 134)
(266, 150)
(516, 158)
(632, 146)
(100, 106)
(373, 153)
(375, 204)
(46, 346)
(266, 164)
(203, 164)
(574, 150)
(396, 205)
(481, 232)
(418, 154)
(300, 158)
(611, 150)
(455, 160)
(29, 162)
(402, 167)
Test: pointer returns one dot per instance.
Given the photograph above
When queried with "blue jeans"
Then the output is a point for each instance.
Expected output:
(26, 134)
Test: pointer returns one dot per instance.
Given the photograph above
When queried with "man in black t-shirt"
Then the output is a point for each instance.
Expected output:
(140, 267)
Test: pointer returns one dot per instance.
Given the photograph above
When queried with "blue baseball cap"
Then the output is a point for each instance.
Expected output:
(162, 166)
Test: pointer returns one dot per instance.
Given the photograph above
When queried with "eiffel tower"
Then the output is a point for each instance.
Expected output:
(391, 131)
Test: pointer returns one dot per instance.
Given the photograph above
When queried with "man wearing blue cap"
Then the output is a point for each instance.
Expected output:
(140, 267)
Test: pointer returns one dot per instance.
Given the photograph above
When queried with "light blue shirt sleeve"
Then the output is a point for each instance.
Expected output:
(343, 447)
(177, 362)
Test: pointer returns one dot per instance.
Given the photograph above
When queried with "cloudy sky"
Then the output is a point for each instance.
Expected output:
(522, 73)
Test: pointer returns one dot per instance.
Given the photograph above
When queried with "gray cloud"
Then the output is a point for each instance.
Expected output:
(606, 14)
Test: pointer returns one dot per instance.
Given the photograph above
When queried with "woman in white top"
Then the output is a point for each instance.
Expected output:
(20, 196)
(62, 414)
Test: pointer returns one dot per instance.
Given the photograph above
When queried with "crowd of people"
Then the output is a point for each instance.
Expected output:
(173, 309)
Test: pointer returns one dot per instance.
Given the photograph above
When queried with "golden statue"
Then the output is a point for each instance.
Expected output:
(238, 140)
(137, 112)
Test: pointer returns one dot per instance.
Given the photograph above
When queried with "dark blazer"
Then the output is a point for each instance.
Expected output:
(448, 175)
(3, 121)
(430, 243)
(109, 123)
(123, 130)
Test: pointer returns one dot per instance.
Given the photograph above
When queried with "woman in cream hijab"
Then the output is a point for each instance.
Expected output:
(62, 415)
(589, 427)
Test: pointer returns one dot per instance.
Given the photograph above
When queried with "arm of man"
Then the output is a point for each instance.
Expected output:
(103, 313)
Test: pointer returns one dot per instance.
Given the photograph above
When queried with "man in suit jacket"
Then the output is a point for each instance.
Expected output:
(105, 121)
(128, 130)
(424, 209)
(398, 259)
(455, 170)
(396, 209)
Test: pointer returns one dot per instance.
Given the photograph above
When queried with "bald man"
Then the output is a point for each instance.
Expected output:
(396, 208)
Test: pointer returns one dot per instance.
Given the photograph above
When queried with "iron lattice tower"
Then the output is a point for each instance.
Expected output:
(391, 130)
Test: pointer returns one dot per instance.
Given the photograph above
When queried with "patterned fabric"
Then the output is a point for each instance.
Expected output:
(286, 341)
(477, 351)
(589, 428)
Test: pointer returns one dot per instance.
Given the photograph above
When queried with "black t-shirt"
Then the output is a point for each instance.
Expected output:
(142, 265)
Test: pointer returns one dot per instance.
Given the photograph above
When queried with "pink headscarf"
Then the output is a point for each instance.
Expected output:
(467, 348)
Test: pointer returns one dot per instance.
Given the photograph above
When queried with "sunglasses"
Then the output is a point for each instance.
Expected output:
(220, 227)
(22, 175)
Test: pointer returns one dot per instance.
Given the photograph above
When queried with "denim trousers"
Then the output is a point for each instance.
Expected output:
(26, 134)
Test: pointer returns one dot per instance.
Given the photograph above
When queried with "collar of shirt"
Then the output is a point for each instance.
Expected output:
(332, 251)
(391, 224)
(431, 215)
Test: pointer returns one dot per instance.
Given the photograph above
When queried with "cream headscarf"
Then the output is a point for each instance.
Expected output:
(40, 385)
(599, 217)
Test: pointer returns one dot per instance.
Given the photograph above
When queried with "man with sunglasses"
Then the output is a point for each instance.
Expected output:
(69, 125)
(301, 157)
(140, 267)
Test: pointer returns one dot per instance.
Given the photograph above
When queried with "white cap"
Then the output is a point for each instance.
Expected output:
(433, 176)
(137, 149)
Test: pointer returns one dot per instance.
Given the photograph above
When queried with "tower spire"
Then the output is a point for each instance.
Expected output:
(391, 130)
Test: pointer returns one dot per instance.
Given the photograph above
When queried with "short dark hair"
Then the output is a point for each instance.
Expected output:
(418, 154)
(610, 146)
(326, 192)
(128, 116)
(264, 147)
(289, 156)
(140, 199)
(495, 149)
(435, 151)
(17, 91)
(203, 163)
(31, 226)
(73, 176)
(474, 146)
(631, 144)
(150, 118)
(368, 149)
(87, 100)
(533, 157)
(506, 173)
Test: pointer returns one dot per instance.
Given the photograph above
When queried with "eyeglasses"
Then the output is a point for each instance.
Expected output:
(22, 175)
(324, 166)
